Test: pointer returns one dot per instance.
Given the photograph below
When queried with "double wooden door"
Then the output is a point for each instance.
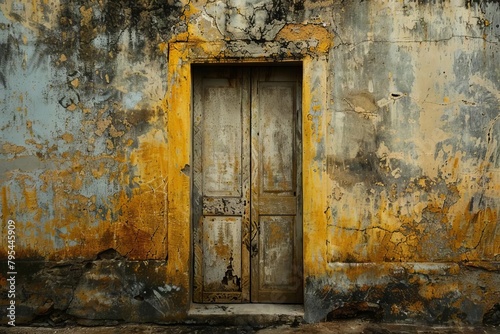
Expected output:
(246, 204)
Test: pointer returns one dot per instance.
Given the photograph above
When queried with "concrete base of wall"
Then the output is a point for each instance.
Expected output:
(108, 290)
(433, 293)
(111, 290)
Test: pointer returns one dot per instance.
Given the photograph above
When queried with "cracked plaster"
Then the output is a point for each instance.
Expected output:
(401, 105)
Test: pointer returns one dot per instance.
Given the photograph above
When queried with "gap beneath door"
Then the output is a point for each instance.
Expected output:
(246, 314)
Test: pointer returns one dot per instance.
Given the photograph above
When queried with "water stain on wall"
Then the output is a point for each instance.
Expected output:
(401, 130)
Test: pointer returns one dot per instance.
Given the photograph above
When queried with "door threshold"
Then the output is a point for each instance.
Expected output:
(246, 314)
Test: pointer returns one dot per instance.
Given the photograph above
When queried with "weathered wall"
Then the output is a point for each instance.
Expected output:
(414, 158)
(401, 134)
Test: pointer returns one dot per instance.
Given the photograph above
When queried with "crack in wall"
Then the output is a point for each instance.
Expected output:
(353, 45)
(248, 22)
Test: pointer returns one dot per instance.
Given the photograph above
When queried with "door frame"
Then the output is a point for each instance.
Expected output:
(315, 118)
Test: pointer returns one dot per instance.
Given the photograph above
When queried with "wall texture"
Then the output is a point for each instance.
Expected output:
(401, 149)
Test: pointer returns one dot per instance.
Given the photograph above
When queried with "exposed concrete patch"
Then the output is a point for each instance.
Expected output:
(245, 314)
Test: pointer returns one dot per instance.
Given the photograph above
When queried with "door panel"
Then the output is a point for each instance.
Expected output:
(276, 263)
(221, 258)
(276, 136)
(221, 195)
(276, 252)
(222, 133)
(247, 223)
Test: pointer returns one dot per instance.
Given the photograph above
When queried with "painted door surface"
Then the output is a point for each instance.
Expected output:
(246, 190)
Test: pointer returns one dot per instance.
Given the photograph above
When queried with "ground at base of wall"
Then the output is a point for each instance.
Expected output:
(340, 327)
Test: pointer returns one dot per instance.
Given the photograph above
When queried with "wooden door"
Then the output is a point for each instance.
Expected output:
(276, 230)
(246, 204)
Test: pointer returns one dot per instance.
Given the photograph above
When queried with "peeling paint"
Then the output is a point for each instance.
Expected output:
(400, 151)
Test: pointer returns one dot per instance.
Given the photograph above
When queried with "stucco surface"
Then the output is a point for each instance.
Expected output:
(401, 158)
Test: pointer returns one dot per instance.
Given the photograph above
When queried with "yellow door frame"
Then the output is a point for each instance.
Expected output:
(315, 119)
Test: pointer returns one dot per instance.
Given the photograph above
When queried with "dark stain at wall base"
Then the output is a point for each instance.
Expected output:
(106, 291)
(358, 310)
(440, 295)
(492, 317)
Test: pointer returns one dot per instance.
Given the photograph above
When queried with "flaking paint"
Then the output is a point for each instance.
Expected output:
(400, 142)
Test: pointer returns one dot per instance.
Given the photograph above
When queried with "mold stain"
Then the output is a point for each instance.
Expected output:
(233, 282)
